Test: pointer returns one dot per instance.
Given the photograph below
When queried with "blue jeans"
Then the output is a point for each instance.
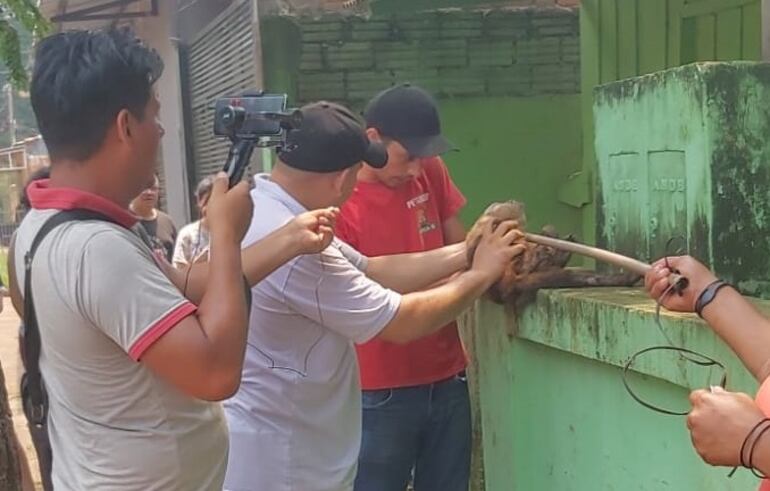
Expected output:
(425, 429)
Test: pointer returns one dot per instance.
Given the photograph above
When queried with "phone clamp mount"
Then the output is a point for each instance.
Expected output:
(251, 120)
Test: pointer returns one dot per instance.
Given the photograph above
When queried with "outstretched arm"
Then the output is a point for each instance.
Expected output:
(406, 273)
(730, 315)
(307, 233)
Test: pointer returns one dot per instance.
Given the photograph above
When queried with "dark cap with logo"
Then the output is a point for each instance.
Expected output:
(330, 139)
(409, 115)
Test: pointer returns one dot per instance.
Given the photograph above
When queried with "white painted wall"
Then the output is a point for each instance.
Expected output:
(160, 33)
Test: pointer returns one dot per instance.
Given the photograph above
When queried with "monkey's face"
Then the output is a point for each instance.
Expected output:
(507, 210)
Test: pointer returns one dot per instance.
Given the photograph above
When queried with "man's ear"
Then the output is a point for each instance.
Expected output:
(339, 180)
(354, 170)
(123, 125)
(342, 177)
(373, 134)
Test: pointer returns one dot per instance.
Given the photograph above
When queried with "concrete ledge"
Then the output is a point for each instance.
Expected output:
(610, 325)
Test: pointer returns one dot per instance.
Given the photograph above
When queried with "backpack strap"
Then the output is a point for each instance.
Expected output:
(36, 406)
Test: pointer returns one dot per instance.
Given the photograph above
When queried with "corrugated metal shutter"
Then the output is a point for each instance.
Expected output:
(221, 62)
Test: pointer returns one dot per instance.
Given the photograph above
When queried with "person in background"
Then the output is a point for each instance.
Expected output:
(39, 433)
(160, 229)
(192, 243)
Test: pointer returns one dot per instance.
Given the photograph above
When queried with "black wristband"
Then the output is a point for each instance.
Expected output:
(751, 452)
(708, 295)
(747, 442)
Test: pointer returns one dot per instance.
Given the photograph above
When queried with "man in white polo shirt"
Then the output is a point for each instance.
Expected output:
(295, 423)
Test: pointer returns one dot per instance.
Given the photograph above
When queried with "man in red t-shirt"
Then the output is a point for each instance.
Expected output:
(416, 410)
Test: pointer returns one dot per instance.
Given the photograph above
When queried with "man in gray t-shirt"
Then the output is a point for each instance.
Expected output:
(295, 423)
(133, 351)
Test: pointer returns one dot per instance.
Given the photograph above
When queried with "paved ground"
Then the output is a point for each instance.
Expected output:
(9, 357)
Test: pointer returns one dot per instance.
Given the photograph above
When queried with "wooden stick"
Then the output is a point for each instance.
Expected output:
(602, 255)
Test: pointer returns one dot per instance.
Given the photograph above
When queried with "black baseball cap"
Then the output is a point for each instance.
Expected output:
(330, 139)
(409, 115)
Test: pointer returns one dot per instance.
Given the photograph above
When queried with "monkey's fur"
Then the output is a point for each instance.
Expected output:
(538, 266)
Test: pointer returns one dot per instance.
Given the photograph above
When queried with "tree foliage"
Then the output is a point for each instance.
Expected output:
(15, 15)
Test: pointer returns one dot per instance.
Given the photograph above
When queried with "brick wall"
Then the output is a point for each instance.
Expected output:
(298, 6)
(459, 53)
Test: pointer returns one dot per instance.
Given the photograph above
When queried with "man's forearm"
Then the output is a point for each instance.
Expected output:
(423, 313)
(267, 255)
(743, 328)
(223, 311)
(258, 261)
(407, 273)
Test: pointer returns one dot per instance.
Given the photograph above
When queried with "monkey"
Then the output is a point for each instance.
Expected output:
(538, 266)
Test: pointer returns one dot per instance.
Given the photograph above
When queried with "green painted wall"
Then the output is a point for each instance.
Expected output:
(654, 130)
(507, 82)
(681, 151)
(626, 38)
(684, 152)
(555, 413)
(521, 148)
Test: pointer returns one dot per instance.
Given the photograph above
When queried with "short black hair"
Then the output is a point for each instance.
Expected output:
(82, 80)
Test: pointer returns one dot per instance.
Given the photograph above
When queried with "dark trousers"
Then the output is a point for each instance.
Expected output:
(425, 430)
